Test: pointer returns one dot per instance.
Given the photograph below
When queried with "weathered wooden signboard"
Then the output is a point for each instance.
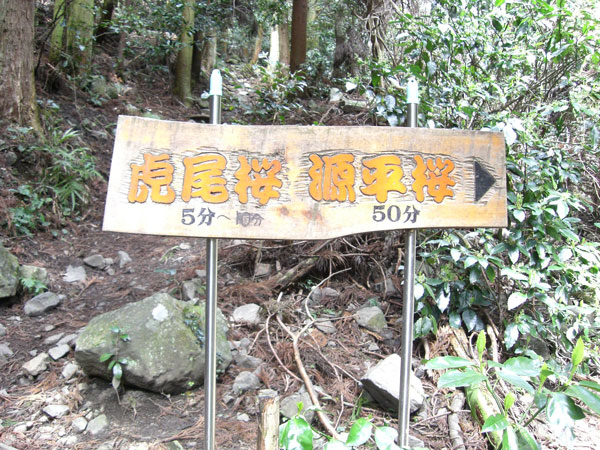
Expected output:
(295, 182)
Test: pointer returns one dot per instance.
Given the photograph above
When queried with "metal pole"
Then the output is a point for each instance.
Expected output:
(210, 355)
(408, 310)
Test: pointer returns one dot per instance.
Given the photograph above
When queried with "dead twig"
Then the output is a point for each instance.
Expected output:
(307, 383)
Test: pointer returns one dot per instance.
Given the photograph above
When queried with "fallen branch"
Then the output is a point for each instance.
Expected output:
(458, 400)
(307, 383)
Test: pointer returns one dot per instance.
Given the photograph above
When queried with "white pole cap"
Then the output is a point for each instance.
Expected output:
(412, 91)
(216, 83)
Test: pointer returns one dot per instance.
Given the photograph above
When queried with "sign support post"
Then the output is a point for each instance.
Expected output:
(212, 248)
(408, 308)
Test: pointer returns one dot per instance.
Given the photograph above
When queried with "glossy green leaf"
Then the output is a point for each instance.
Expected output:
(578, 353)
(296, 434)
(590, 399)
(481, 342)
(448, 362)
(458, 378)
(523, 366)
(526, 440)
(513, 274)
(497, 422)
(334, 444)
(562, 412)
(117, 371)
(360, 432)
(385, 438)
(106, 356)
(509, 439)
(509, 400)
(511, 335)
(516, 381)
(515, 300)
(590, 385)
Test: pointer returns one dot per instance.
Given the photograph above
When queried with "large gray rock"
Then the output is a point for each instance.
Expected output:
(165, 350)
(9, 273)
(383, 383)
(39, 304)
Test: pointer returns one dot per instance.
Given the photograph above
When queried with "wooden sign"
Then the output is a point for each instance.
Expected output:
(296, 182)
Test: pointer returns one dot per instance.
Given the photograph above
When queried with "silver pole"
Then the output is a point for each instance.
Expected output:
(408, 309)
(210, 334)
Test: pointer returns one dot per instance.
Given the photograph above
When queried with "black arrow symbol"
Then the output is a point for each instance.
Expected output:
(483, 181)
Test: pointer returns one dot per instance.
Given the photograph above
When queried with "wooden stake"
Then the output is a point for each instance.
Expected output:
(268, 426)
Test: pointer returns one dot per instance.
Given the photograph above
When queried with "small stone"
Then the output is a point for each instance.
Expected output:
(79, 425)
(318, 294)
(21, 428)
(59, 351)
(326, 327)
(371, 318)
(70, 441)
(41, 303)
(2, 330)
(69, 370)
(190, 289)
(289, 406)
(373, 347)
(123, 258)
(69, 339)
(243, 417)
(74, 274)
(246, 361)
(56, 411)
(36, 365)
(262, 270)
(49, 328)
(5, 351)
(51, 340)
(97, 424)
(95, 261)
(335, 95)
(248, 314)
(245, 381)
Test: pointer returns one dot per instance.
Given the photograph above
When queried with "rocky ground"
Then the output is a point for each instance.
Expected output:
(48, 402)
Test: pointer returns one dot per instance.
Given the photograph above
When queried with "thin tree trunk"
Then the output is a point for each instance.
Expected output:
(197, 56)
(80, 33)
(284, 43)
(103, 29)
(183, 71)
(274, 47)
(17, 102)
(298, 51)
(57, 39)
(209, 55)
(257, 45)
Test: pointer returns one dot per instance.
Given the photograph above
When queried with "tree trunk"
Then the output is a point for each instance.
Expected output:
(312, 39)
(257, 45)
(80, 33)
(17, 102)
(209, 55)
(183, 70)
(197, 56)
(57, 39)
(103, 31)
(284, 43)
(299, 17)
(274, 47)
